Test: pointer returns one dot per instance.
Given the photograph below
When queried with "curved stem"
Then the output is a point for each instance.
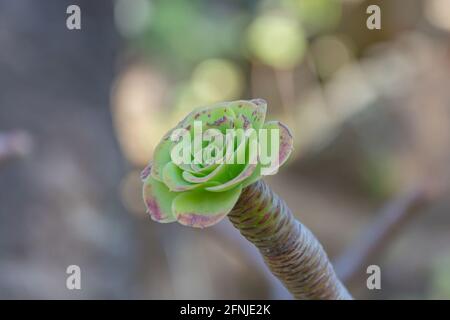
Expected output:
(290, 250)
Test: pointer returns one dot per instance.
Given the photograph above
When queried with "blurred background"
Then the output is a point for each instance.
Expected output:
(82, 110)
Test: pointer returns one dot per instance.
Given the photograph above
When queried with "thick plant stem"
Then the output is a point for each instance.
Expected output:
(290, 250)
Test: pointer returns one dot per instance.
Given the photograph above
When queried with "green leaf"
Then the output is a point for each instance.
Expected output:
(244, 174)
(199, 208)
(161, 156)
(285, 140)
(194, 178)
(172, 177)
(255, 176)
(254, 110)
(158, 200)
(219, 171)
(218, 116)
(196, 169)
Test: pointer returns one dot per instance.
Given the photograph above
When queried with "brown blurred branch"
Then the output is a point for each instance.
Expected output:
(284, 80)
(13, 145)
(375, 238)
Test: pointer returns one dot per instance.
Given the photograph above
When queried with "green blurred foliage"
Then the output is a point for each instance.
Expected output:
(316, 15)
(182, 33)
(377, 176)
(179, 34)
(212, 80)
(277, 41)
(440, 278)
(297, 54)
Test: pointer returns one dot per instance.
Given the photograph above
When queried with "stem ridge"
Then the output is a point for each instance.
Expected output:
(290, 250)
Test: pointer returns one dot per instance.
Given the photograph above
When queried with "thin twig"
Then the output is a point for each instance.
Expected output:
(379, 234)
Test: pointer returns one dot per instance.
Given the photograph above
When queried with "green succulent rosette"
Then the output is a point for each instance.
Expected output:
(202, 194)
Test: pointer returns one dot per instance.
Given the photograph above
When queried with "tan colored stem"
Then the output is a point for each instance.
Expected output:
(289, 249)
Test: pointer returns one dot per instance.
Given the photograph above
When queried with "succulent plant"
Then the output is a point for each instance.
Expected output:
(200, 194)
